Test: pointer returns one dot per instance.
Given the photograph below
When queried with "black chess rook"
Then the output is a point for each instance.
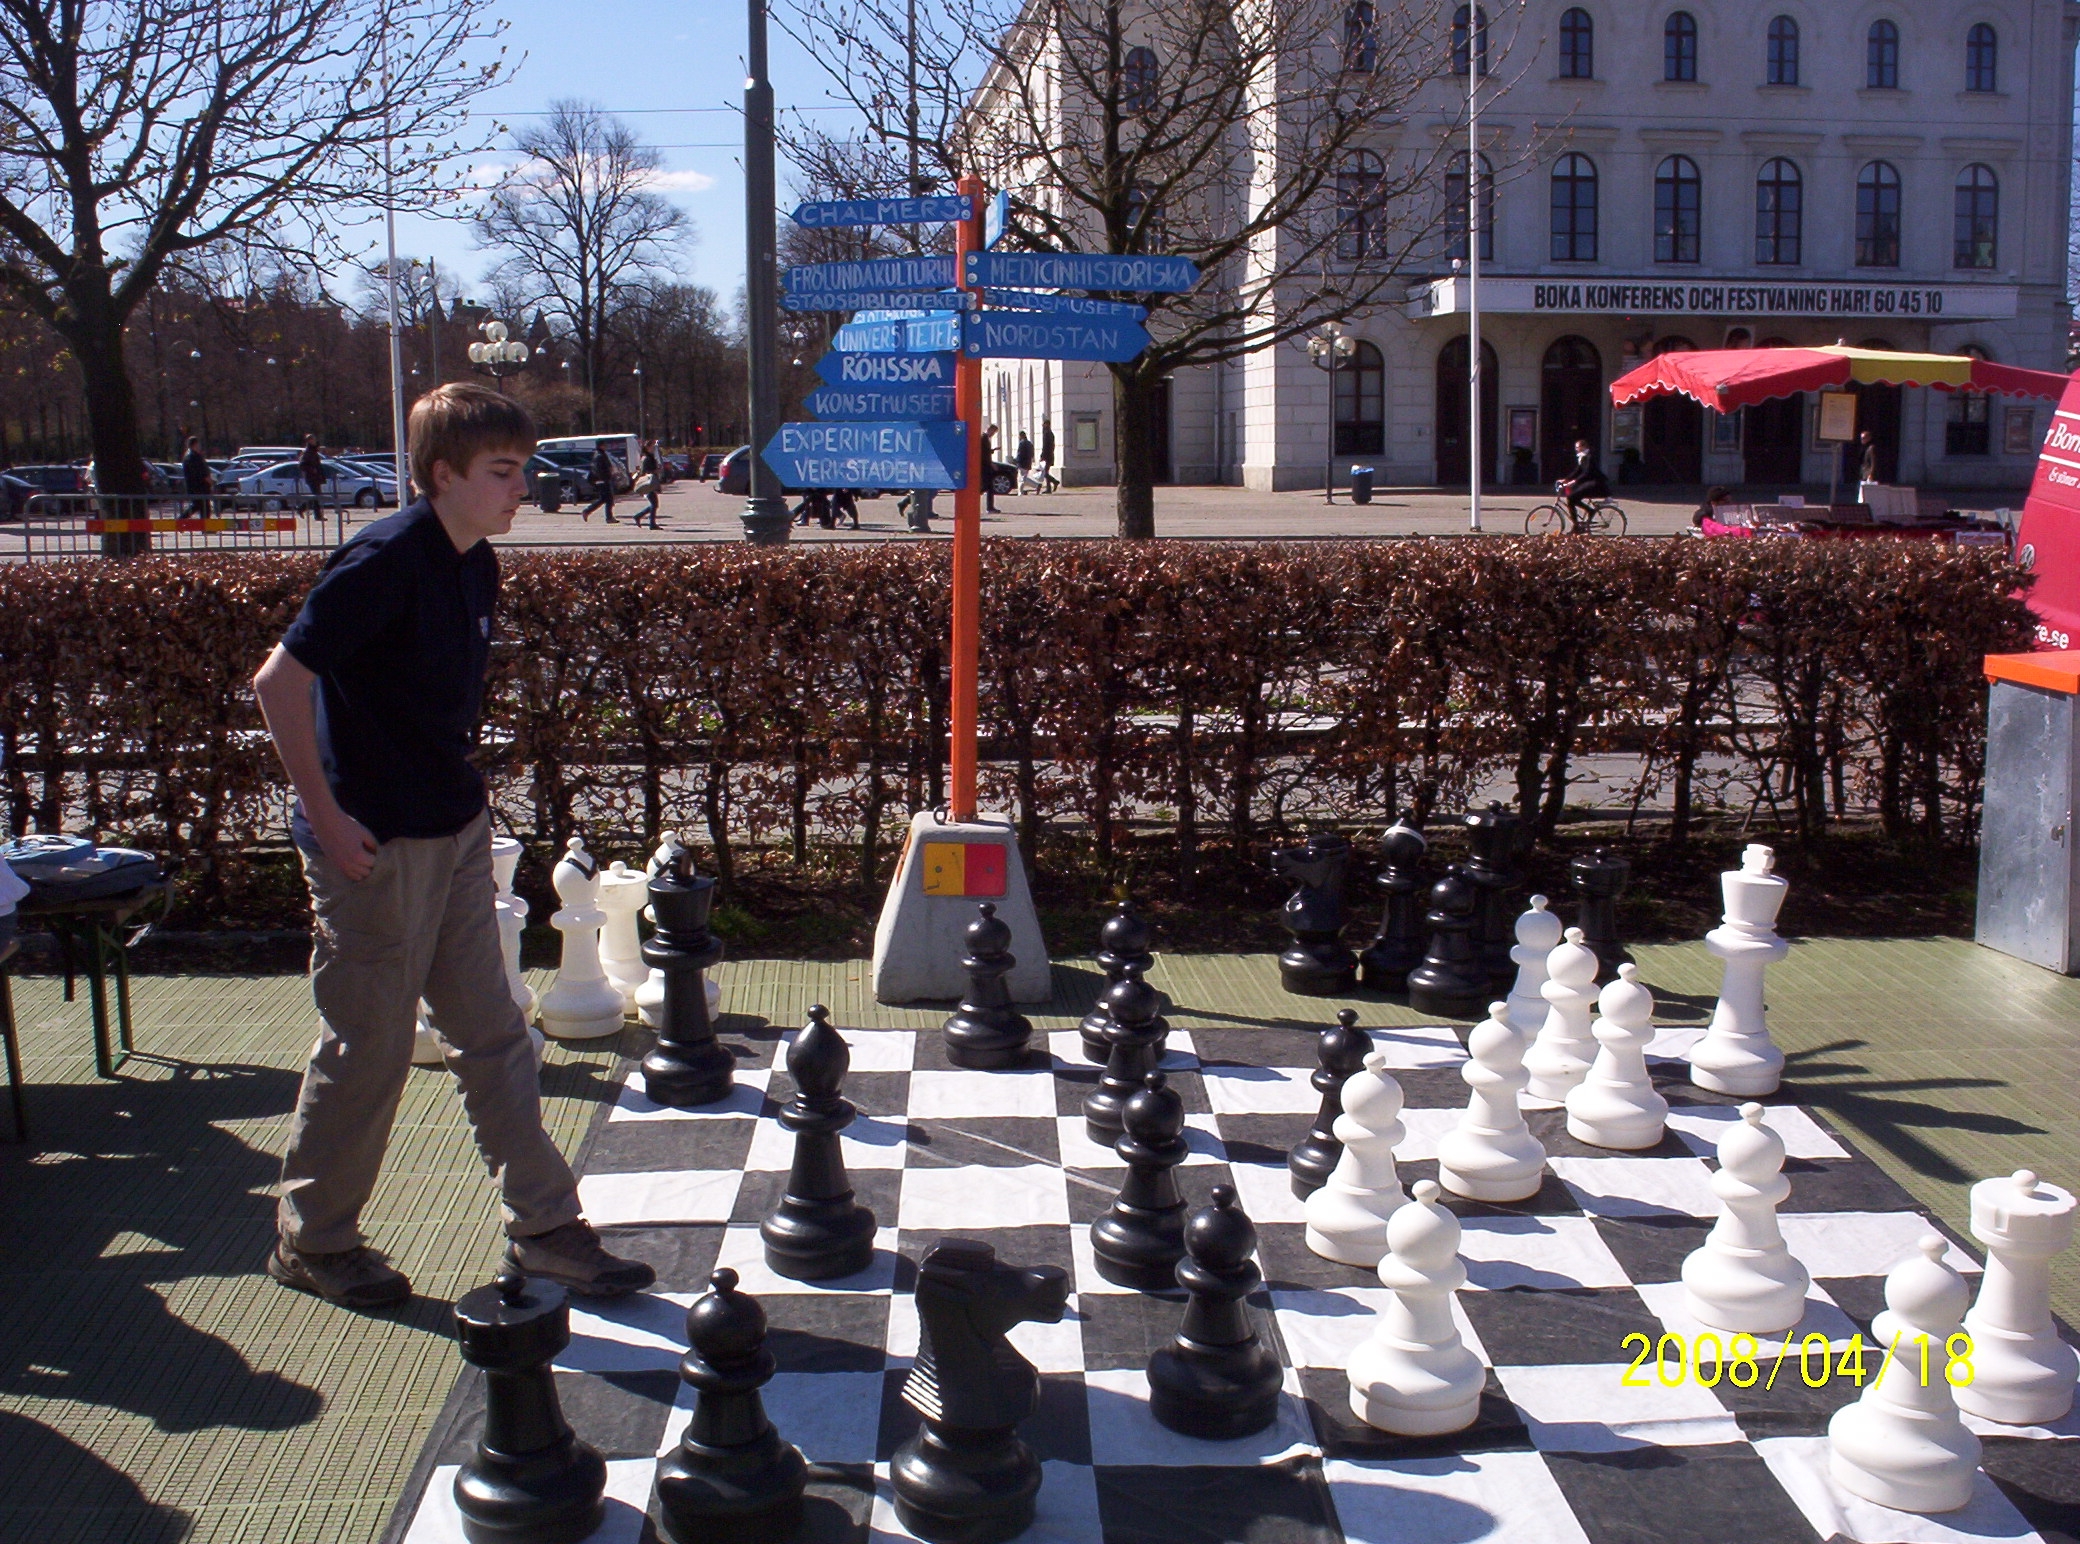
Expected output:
(1124, 940)
(1218, 1379)
(688, 1066)
(985, 1033)
(1450, 981)
(530, 1480)
(1316, 963)
(818, 1231)
(1140, 1240)
(1397, 949)
(1599, 877)
(1494, 839)
(1339, 1052)
(1134, 1047)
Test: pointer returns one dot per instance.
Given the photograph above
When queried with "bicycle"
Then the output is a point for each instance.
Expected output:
(1603, 517)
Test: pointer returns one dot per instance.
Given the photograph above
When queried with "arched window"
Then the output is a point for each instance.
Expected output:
(1782, 57)
(1779, 213)
(1455, 206)
(1360, 221)
(1577, 45)
(1877, 216)
(1981, 52)
(1969, 428)
(1145, 218)
(1574, 209)
(1881, 57)
(1360, 37)
(1678, 198)
(1477, 18)
(1978, 217)
(1738, 337)
(1679, 47)
(1361, 402)
(1137, 82)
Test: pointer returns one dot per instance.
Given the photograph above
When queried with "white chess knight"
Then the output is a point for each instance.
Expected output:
(649, 995)
(581, 1004)
(1903, 1444)
(1616, 1103)
(1742, 1277)
(1347, 1217)
(1736, 1055)
(1413, 1375)
(1538, 935)
(1559, 1058)
(1491, 1154)
(623, 892)
(2023, 1372)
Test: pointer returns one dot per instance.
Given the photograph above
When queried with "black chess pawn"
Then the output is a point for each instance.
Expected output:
(688, 1066)
(1339, 1053)
(985, 1034)
(1398, 948)
(818, 1230)
(1494, 838)
(965, 1477)
(530, 1480)
(1134, 1047)
(731, 1480)
(1218, 1380)
(1450, 981)
(1316, 963)
(1140, 1240)
(1599, 878)
(1124, 940)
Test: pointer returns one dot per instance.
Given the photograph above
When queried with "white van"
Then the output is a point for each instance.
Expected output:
(624, 448)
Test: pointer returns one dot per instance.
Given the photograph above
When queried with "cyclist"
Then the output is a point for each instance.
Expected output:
(1586, 486)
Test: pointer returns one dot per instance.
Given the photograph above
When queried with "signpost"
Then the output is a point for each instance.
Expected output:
(887, 369)
(882, 300)
(838, 212)
(866, 403)
(929, 334)
(1148, 274)
(1036, 335)
(870, 455)
(1072, 305)
(924, 272)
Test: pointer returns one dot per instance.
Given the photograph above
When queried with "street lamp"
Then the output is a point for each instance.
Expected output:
(764, 515)
(497, 356)
(642, 415)
(201, 401)
(1328, 346)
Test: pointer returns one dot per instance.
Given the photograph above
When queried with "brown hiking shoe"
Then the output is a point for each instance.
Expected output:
(571, 1256)
(353, 1278)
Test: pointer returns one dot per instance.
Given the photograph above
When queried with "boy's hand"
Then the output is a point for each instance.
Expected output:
(347, 844)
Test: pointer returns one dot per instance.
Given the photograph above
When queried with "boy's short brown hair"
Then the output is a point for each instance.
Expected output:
(458, 422)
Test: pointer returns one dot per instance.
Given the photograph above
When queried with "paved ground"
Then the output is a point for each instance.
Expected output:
(154, 1387)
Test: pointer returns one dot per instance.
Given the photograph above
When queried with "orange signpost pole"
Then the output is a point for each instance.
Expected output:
(967, 538)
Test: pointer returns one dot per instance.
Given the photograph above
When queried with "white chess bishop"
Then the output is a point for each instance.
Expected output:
(2023, 1372)
(649, 993)
(1616, 1104)
(1414, 1376)
(1902, 1444)
(581, 1004)
(1538, 935)
(1559, 1058)
(1491, 1154)
(1743, 1277)
(623, 892)
(1347, 1217)
(1735, 1054)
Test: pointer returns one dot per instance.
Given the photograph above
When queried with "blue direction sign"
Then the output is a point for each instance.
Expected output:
(996, 217)
(870, 455)
(932, 334)
(1069, 305)
(868, 403)
(874, 273)
(1036, 335)
(885, 211)
(901, 370)
(882, 300)
(1079, 270)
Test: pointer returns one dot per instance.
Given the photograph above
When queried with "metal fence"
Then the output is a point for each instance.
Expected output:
(85, 525)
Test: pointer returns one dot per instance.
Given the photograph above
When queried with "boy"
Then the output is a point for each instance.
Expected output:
(395, 836)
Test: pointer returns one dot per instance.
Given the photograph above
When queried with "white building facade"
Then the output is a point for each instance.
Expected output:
(1694, 175)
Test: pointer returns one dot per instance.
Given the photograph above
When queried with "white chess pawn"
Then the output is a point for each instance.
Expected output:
(649, 994)
(623, 893)
(1902, 1444)
(430, 1050)
(1347, 1217)
(581, 1003)
(1742, 1277)
(1538, 935)
(2022, 1371)
(1560, 1056)
(512, 919)
(1413, 1375)
(1491, 1154)
(1735, 1054)
(1616, 1104)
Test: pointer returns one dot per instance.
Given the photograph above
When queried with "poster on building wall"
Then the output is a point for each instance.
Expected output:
(1726, 430)
(1625, 428)
(2019, 431)
(1523, 428)
(1837, 417)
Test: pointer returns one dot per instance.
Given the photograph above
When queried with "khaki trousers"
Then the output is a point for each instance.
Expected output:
(422, 924)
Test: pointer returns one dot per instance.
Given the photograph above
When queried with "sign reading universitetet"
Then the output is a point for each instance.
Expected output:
(1658, 297)
(926, 335)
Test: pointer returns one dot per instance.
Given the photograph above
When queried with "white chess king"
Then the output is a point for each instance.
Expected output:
(1742, 1277)
(1736, 1054)
(2023, 1371)
(581, 1004)
(1414, 1376)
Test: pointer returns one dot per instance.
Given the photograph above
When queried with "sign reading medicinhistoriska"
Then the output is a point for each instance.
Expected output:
(1716, 297)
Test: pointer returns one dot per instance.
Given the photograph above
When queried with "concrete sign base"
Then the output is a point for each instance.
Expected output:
(949, 868)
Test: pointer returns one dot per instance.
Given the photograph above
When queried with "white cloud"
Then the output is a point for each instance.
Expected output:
(681, 182)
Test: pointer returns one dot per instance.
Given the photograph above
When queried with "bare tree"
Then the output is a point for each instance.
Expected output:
(577, 222)
(135, 133)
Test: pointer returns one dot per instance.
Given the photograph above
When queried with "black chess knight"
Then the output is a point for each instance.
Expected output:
(1398, 947)
(1124, 940)
(1218, 1379)
(985, 1033)
(1316, 963)
(688, 1066)
(818, 1230)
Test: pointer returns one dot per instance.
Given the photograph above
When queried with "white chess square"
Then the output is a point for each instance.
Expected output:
(1233, 1090)
(670, 1195)
(743, 1251)
(873, 1050)
(1497, 1498)
(833, 1417)
(870, 1142)
(1542, 1252)
(1323, 1327)
(1666, 1301)
(1700, 1126)
(628, 1497)
(1266, 1193)
(642, 1332)
(1800, 1465)
(1429, 1045)
(746, 1097)
(1674, 1042)
(1123, 1431)
(1425, 1129)
(947, 1200)
(1080, 1152)
(1639, 1187)
(963, 1095)
(1066, 1510)
(1585, 1409)
(1066, 1047)
(1861, 1243)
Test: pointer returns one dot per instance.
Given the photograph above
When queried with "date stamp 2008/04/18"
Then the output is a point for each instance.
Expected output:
(1707, 1358)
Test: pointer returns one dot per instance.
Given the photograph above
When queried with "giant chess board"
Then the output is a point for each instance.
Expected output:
(1579, 1440)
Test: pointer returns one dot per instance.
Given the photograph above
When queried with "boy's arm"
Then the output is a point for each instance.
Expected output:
(283, 685)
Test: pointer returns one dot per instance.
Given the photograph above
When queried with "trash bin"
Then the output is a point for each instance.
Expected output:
(2029, 882)
(1361, 484)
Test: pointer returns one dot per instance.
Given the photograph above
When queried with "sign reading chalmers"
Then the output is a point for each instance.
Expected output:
(1643, 297)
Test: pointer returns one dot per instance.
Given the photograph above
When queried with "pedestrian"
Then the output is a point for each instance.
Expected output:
(989, 469)
(1870, 457)
(196, 473)
(1047, 477)
(312, 464)
(392, 827)
(601, 476)
(648, 482)
(1023, 459)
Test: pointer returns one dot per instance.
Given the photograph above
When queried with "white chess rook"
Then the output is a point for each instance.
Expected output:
(1538, 935)
(1735, 1054)
(581, 1004)
(1616, 1104)
(1491, 1154)
(1347, 1217)
(622, 895)
(512, 919)
(1559, 1058)
(2023, 1371)
(1902, 1444)
(1742, 1277)
(1414, 1376)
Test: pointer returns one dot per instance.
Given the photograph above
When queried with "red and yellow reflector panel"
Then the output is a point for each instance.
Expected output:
(963, 869)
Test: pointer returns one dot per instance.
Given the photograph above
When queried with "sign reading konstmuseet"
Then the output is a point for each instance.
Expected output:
(1716, 297)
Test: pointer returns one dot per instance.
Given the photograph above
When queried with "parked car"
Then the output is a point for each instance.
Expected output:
(52, 478)
(343, 484)
(15, 495)
(711, 465)
(552, 485)
(677, 466)
(580, 463)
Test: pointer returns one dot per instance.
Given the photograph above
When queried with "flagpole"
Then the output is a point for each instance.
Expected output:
(1476, 43)
(404, 481)
(967, 537)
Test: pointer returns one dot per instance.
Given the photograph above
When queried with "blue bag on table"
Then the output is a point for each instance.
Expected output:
(64, 869)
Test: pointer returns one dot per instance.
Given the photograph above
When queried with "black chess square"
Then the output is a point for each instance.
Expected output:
(1342, 1434)
(990, 1141)
(1287, 1262)
(1652, 1248)
(683, 1254)
(654, 1146)
(871, 1093)
(761, 1190)
(1059, 1430)
(827, 1331)
(1265, 1139)
(1578, 1326)
(1282, 1503)
(1718, 1494)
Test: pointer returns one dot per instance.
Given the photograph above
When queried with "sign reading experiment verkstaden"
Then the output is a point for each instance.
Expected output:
(870, 455)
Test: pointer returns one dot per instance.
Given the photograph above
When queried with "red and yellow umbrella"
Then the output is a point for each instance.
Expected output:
(1725, 379)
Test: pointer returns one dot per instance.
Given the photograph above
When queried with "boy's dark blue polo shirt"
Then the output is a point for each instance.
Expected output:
(398, 632)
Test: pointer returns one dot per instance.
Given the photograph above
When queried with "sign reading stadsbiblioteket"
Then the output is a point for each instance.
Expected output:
(1660, 297)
